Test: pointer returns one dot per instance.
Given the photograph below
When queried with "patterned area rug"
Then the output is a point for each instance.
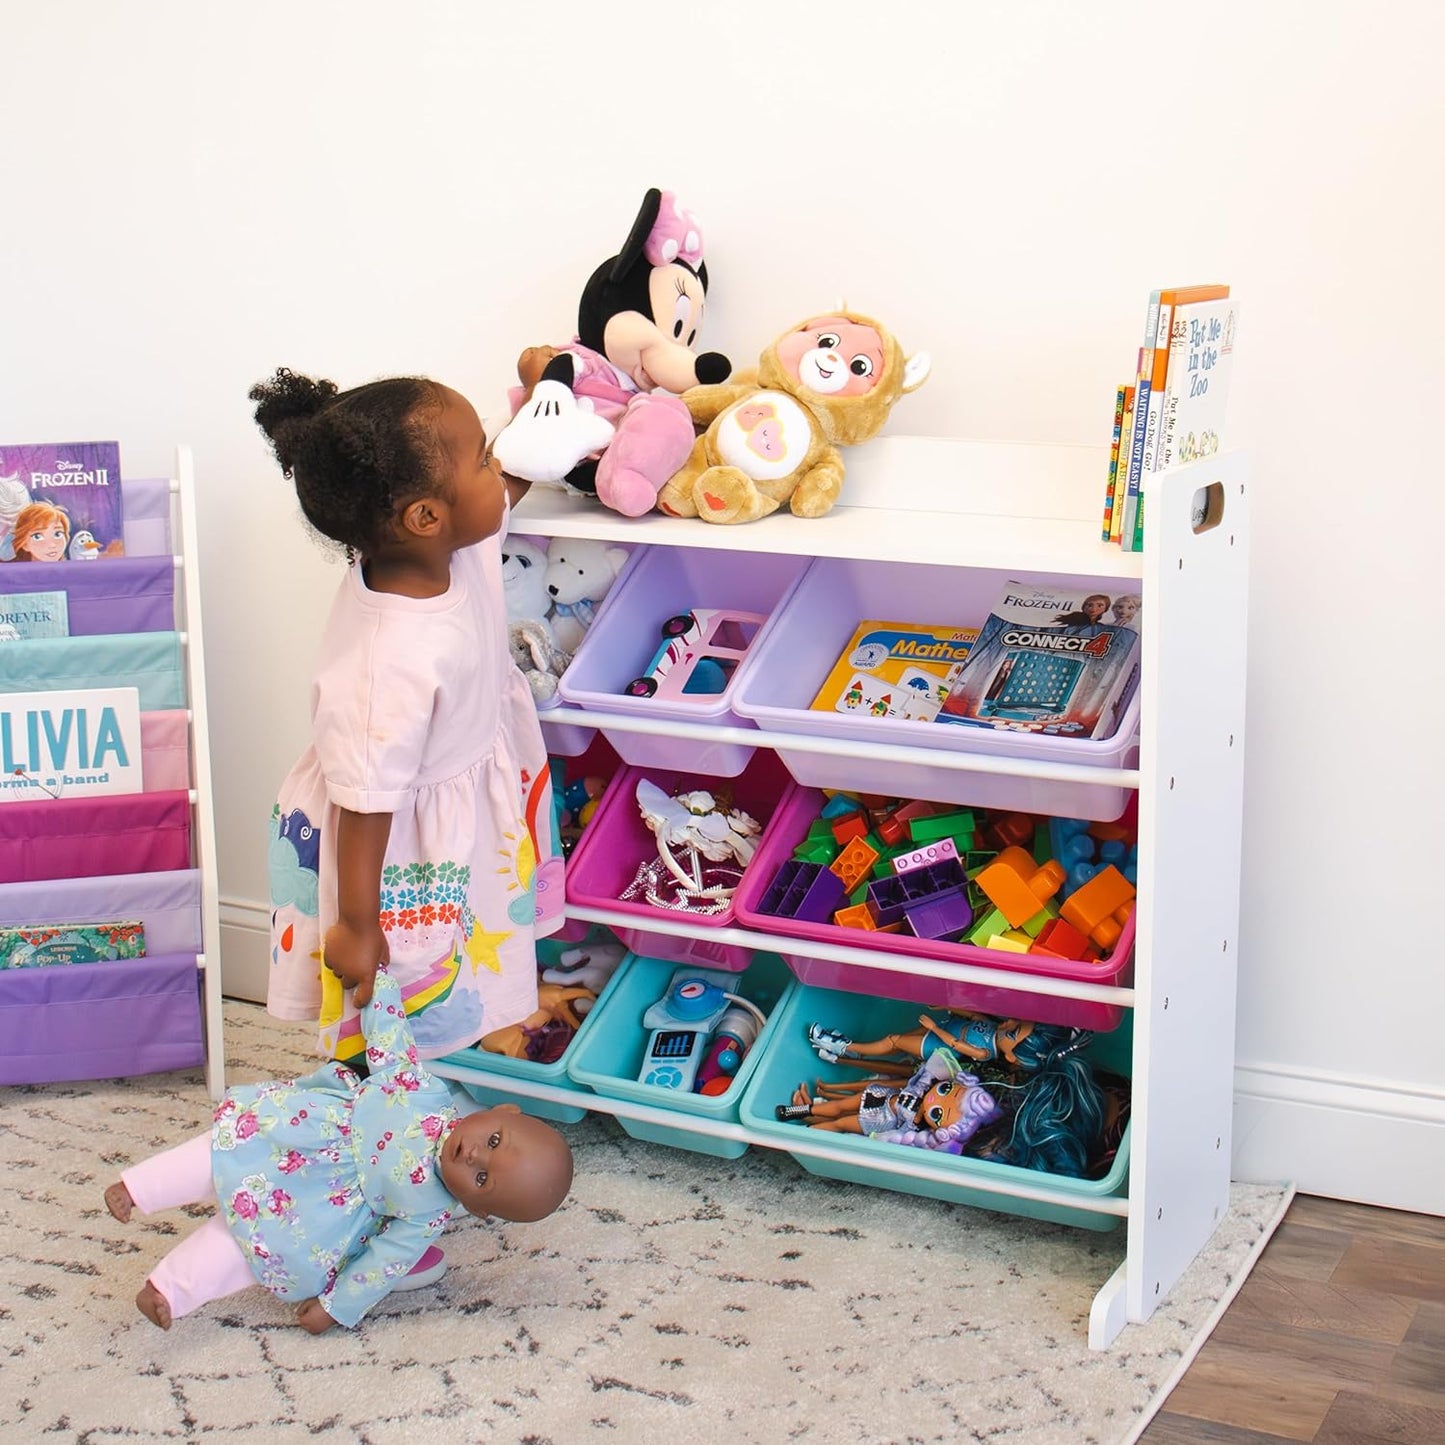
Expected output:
(673, 1295)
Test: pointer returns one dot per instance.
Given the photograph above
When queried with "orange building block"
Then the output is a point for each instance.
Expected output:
(1101, 908)
(853, 864)
(1017, 886)
(857, 915)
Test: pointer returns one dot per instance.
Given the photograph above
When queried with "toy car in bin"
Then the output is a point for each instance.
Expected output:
(700, 651)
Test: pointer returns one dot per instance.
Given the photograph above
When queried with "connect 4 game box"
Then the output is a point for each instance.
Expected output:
(895, 669)
(1049, 660)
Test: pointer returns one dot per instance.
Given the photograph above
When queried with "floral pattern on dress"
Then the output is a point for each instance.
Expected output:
(330, 1183)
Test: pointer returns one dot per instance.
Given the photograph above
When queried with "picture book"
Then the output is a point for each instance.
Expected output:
(1050, 659)
(894, 669)
(1121, 475)
(1113, 459)
(1164, 306)
(42, 945)
(33, 614)
(75, 743)
(60, 502)
(1143, 387)
(1201, 355)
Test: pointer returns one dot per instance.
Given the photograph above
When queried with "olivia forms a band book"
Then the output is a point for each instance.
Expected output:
(60, 501)
(895, 669)
(1050, 659)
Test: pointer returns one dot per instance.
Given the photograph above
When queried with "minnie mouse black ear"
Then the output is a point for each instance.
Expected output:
(631, 252)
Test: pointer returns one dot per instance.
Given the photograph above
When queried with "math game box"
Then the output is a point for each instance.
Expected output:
(895, 669)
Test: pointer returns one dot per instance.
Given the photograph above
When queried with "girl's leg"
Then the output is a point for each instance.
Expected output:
(207, 1264)
(178, 1176)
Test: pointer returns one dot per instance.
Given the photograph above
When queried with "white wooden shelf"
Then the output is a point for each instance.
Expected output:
(1035, 510)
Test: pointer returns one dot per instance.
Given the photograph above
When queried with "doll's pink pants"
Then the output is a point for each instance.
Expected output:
(207, 1264)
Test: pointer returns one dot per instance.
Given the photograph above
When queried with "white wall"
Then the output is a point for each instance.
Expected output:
(196, 194)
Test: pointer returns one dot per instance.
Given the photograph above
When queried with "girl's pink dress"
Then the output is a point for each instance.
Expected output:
(418, 711)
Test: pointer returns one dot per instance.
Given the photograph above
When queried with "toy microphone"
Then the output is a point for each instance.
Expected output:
(736, 1031)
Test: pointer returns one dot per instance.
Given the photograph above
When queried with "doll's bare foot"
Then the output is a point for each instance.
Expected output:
(153, 1305)
(119, 1202)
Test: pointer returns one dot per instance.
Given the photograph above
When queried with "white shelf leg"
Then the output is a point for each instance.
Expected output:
(1110, 1310)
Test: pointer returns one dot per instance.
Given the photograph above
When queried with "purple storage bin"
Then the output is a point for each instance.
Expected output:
(109, 595)
(800, 646)
(147, 524)
(168, 905)
(617, 841)
(77, 837)
(100, 1020)
(664, 582)
(789, 827)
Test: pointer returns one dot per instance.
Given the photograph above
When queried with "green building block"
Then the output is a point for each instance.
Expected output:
(941, 825)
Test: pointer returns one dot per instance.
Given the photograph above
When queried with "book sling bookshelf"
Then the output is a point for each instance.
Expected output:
(948, 508)
(135, 621)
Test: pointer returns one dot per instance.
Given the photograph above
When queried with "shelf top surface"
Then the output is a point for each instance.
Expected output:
(930, 500)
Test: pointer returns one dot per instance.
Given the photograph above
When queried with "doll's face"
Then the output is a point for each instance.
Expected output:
(503, 1162)
(1095, 606)
(833, 355)
(1126, 609)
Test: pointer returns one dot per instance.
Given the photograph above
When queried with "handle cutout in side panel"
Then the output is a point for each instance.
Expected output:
(1206, 510)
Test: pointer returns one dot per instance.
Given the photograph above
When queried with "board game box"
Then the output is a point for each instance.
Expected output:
(895, 669)
(1049, 659)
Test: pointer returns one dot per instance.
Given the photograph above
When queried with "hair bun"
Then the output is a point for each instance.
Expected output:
(288, 398)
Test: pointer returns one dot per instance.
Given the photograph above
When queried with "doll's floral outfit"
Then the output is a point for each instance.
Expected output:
(418, 711)
(329, 1186)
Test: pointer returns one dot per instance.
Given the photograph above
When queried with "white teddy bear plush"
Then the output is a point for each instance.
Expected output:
(579, 574)
(530, 634)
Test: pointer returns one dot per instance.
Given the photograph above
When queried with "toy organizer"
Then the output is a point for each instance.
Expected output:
(663, 583)
(147, 856)
(927, 529)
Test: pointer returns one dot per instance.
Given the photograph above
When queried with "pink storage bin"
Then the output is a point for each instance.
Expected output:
(665, 582)
(617, 841)
(788, 828)
(801, 644)
(597, 760)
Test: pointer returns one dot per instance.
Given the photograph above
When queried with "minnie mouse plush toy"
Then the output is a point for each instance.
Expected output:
(601, 415)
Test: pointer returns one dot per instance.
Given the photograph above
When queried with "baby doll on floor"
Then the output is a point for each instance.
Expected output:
(332, 1187)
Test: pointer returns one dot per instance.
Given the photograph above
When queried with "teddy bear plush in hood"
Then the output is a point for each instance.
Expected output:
(773, 434)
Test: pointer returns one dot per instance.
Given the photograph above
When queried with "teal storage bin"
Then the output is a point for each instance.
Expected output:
(789, 1060)
(610, 1059)
(500, 1079)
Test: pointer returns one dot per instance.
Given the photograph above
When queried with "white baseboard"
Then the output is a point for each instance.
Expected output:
(1359, 1139)
(1367, 1140)
(245, 949)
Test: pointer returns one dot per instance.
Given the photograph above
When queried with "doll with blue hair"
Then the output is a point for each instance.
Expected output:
(1051, 1113)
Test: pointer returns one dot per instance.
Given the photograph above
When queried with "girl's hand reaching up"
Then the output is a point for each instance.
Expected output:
(353, 954)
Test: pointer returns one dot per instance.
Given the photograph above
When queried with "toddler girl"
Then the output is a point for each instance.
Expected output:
(332, 1187)
(417, 825)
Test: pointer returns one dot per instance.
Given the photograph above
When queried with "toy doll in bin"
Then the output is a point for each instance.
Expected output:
(331, 1188)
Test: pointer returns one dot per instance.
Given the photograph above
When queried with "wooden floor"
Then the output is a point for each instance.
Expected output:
(1337, 1337)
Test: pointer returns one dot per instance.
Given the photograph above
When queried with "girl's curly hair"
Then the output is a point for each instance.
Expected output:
(355, 456)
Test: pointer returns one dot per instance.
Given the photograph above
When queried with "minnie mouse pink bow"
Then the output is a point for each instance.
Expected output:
(675, 235)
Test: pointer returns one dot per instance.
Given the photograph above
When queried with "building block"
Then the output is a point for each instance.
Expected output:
(941, 825)
(1101, 907)
(1009, 830)
(1060, 939)
(944, 917)
(849, 826)
(816, 850)
(893, 830)
(839, 805)
(1018, 887)
(989, 923)
(857, 915)
(1035, 925)
(1009, 941)
(806, 891)
(854, 862)
(939, 852)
